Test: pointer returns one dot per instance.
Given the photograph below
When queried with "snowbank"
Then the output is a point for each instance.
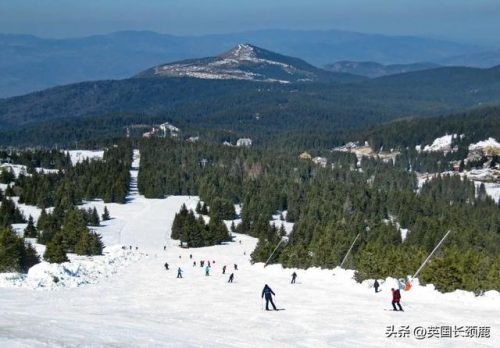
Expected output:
(81, 270)
(440, 144)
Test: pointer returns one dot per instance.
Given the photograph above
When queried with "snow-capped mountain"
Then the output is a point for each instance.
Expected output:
(247, 62)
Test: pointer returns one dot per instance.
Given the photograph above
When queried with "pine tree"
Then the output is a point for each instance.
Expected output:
(95, 218)
(10, 253)
(89, 244)
(15, 255)
(29, 257)
(105, 215)
(54, 252)
(30, 231)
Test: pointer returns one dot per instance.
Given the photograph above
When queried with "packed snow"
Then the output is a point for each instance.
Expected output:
(136, 302)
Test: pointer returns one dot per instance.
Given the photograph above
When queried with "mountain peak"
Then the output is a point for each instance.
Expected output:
(243, 51)
(246, 62)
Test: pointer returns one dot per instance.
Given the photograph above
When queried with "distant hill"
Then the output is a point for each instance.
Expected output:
(29, 63)
(255, 108)
(478, 59)
(248, 62)
(373, 69)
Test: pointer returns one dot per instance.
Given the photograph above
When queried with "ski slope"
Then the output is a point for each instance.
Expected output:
(143, 305)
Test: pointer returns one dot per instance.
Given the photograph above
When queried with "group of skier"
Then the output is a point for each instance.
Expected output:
(208, 267)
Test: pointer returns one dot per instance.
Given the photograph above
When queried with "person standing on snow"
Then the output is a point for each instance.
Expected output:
(179, 272)
(166, 266)
(294, 276)
(376, 285)
(396, 297)
(268, 293)
(207, 270)
(231, 278)
(224, 269)
(235, 267)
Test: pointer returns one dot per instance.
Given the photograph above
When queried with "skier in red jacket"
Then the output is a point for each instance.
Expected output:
(396, 297)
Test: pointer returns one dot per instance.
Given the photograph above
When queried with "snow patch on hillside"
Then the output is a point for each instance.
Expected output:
(488, 143)
(78, 156)
(440, 144)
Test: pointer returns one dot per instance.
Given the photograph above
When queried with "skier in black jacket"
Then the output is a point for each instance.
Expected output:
(268, 293)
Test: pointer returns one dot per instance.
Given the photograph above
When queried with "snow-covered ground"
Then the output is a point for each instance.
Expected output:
(143, 305)
(81, 155)
(439, 144)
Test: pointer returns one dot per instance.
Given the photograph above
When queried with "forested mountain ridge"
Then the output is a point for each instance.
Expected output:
(248, 106)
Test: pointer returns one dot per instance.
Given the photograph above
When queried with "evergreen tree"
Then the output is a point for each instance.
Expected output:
(89, 244)
(10, 253)
(15, 255)
(105, 215)
(55, 251)
(30, 231)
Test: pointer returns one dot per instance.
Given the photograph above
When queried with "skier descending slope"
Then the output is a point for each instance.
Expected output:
(166, 266)
(179, 272)
(268, 293)
(231, 278)
(396, 297)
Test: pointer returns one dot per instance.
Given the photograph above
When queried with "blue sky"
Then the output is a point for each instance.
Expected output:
(460, 20)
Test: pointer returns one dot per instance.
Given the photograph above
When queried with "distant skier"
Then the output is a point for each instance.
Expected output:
(294, 276)
(179, 272)
(164, 247)
(376, 285)
(202, 263)
(130, 247)
(396, 297)
(207, 270)
(136, 248)
(231, 278)
(235, 267)
(194, 263)
(268, 293)
(224, 269)
(190, 256)
(208, 263)
(166, 266)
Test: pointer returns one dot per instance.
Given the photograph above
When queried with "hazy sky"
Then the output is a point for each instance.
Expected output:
(460, 20)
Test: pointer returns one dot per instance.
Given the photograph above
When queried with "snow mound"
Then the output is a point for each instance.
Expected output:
(489, 143)
(440, 144)
(80, 271)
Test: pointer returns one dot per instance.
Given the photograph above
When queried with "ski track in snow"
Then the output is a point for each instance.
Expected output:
(143, 305)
